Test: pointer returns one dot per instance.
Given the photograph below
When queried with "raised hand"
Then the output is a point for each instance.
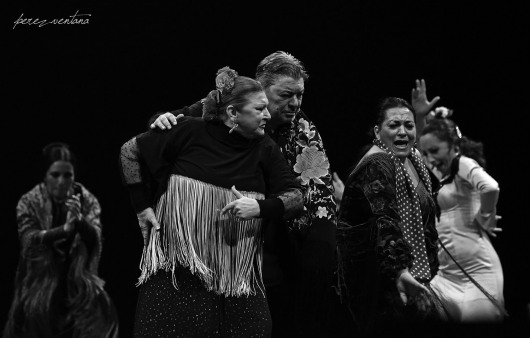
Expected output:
(147, 221)
(165, 121)
(243, 207)
(419, 100)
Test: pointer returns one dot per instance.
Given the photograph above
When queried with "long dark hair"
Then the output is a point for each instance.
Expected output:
(56, 151)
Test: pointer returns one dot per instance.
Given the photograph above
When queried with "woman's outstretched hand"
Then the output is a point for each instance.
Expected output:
(243, 207)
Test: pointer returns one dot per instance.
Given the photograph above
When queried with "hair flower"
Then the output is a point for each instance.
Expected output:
(442, 112)
(225, 80)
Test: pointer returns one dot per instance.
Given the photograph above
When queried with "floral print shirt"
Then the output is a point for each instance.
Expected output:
(304, 151)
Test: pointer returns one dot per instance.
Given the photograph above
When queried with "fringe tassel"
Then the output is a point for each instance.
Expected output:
(225, 252)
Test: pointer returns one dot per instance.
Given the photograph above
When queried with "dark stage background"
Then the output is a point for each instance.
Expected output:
(94, 86)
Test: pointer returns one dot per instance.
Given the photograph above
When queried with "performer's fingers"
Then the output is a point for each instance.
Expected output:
(237, 193)
(228, 207)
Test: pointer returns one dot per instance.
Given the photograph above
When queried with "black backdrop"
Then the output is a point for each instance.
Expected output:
(94, 86)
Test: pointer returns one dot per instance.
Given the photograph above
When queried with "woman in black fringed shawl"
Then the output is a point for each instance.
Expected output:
(386, 234)
(57, 289)
(216, 181)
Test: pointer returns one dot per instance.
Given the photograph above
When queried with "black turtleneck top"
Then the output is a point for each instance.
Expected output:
(205, 151)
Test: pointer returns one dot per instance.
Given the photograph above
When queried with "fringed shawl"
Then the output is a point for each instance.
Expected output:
(225, 252)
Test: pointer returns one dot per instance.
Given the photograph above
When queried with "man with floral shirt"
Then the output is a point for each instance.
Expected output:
(299, 255)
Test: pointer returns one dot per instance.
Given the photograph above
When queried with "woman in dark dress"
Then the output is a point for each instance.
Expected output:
(215, 178)
(57, 289)
(386, 234)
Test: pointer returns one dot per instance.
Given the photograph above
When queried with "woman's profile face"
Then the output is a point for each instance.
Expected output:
(439, 154)
(253, 116)
(398, 131)
(59, 179)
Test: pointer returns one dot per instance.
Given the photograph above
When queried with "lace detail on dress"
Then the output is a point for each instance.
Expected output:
(291, 199)
(130, 162)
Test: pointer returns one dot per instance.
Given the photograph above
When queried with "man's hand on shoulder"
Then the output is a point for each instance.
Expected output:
(165, 121)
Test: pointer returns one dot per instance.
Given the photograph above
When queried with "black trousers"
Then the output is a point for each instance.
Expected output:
(192, 311)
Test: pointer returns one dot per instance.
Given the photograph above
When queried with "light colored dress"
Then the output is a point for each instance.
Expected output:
(461, 228)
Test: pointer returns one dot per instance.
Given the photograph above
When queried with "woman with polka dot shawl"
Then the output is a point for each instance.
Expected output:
(386, 234)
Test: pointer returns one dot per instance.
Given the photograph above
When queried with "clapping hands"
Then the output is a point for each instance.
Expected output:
(73, 205)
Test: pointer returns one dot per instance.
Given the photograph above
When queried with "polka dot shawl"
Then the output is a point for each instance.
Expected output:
(409, 210)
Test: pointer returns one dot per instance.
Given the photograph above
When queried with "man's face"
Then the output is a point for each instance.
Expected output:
(285, 99)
